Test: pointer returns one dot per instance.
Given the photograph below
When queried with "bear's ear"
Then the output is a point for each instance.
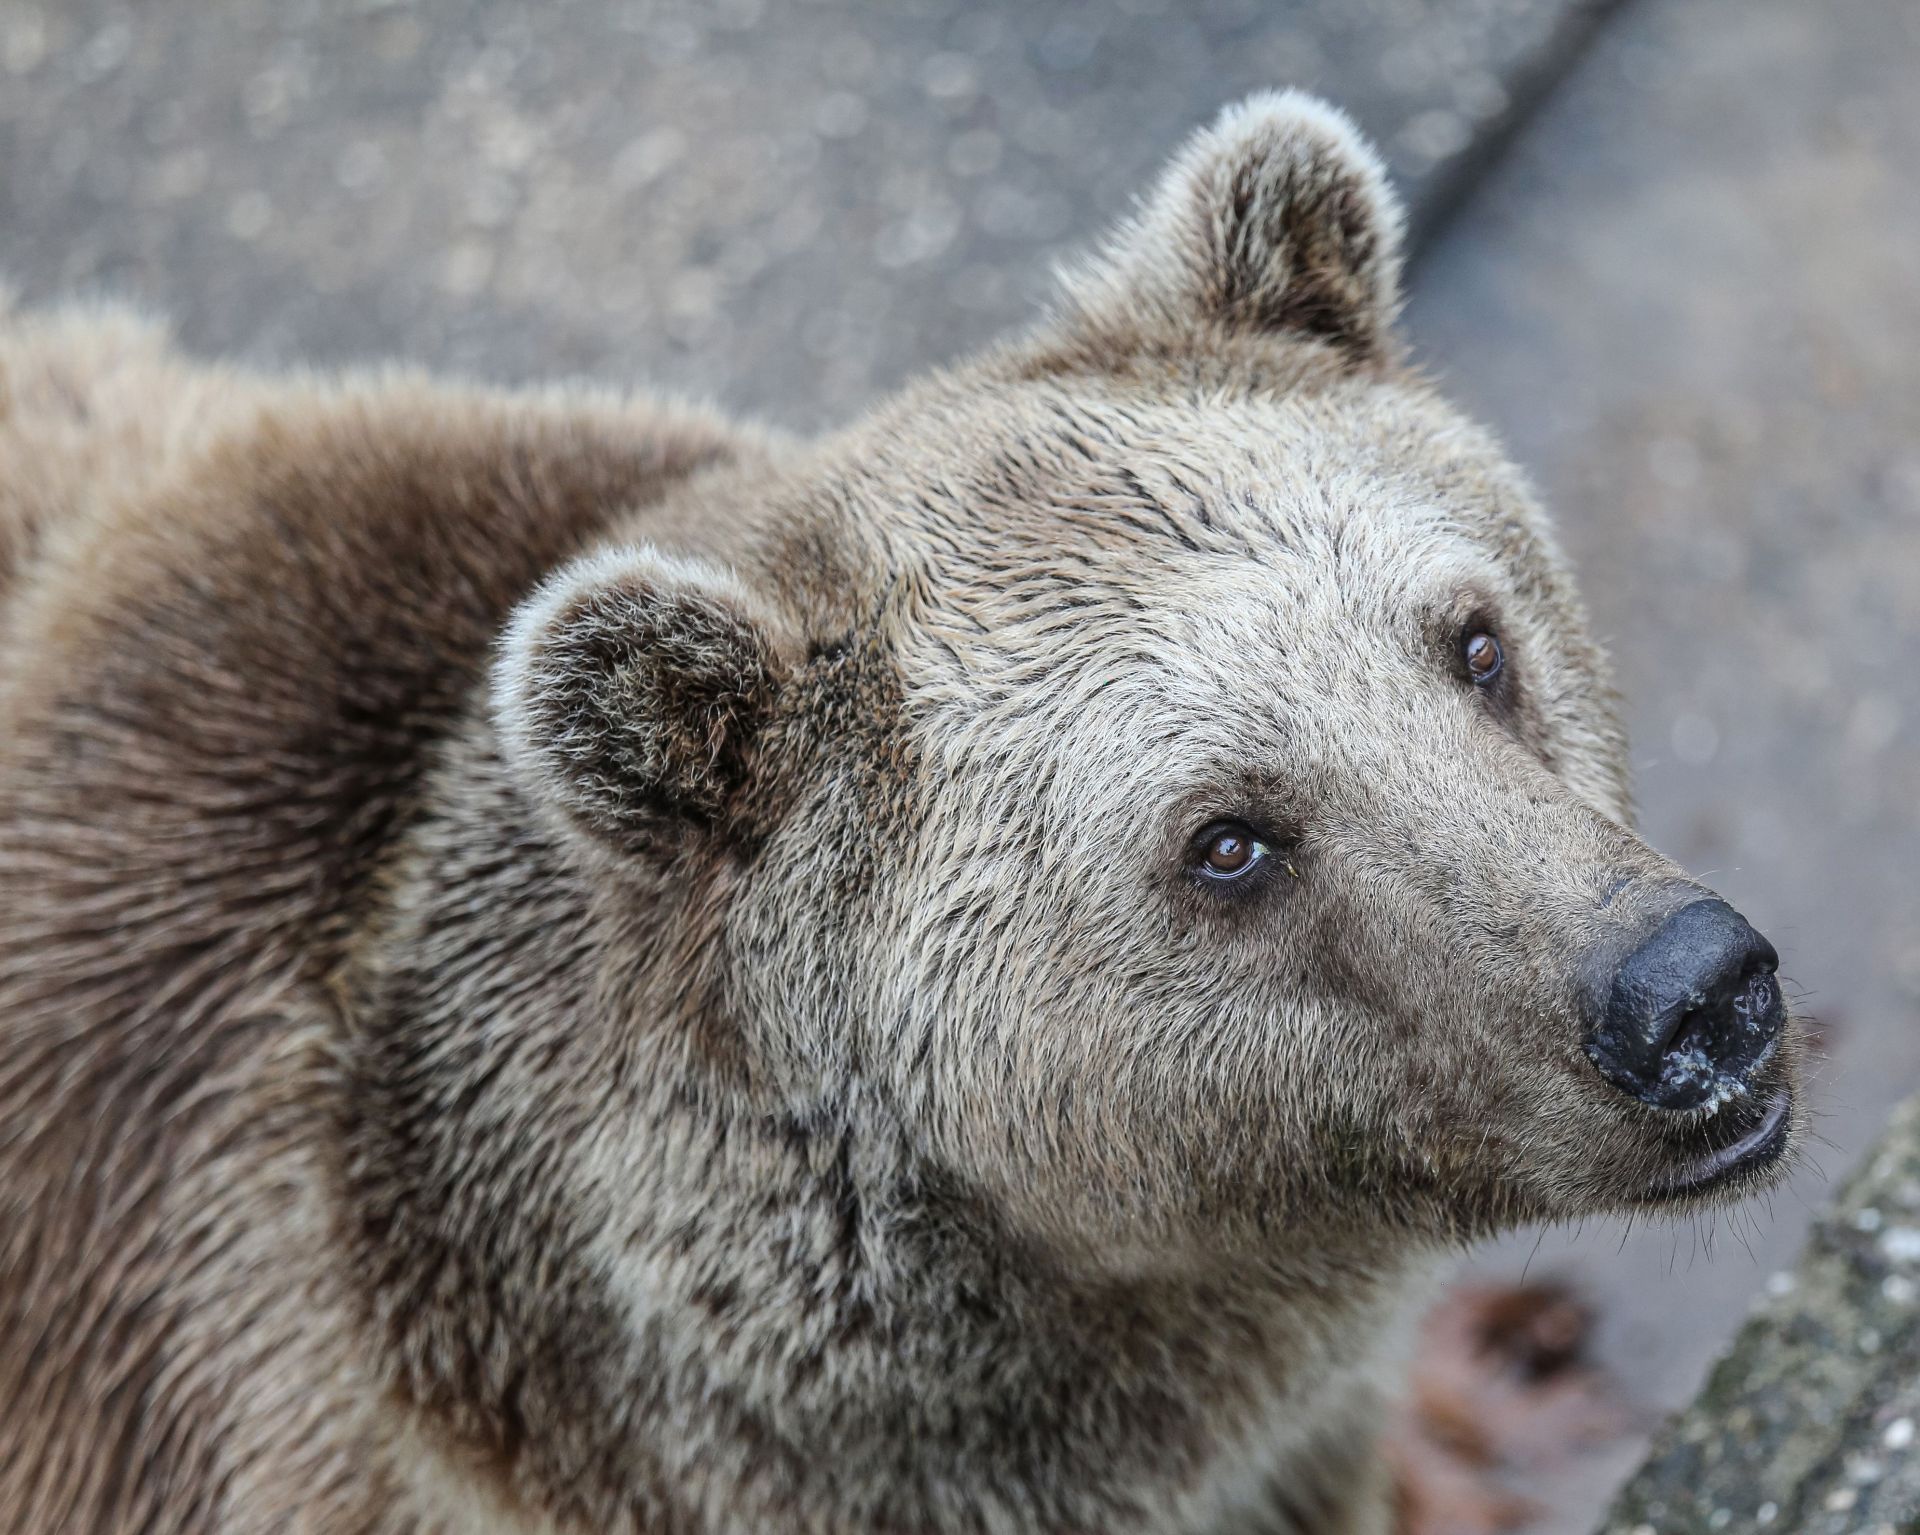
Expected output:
(1277, 219)
(631, 694)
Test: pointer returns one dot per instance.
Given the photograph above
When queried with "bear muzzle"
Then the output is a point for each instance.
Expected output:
(1693, 1014)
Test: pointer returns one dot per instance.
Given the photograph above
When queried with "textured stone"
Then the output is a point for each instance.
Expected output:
(1808, 1424)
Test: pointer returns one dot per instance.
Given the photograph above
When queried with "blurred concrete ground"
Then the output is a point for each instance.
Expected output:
(1690, 298)
(788, 203)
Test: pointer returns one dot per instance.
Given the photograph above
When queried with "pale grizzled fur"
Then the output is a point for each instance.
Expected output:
(568, 966)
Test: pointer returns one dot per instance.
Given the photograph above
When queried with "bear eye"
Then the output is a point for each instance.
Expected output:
(1229, 850)
(1483, 656)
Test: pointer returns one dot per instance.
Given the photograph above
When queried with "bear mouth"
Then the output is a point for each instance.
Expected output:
(1754, 1149)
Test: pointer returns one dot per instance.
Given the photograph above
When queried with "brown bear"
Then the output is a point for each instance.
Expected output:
(566, 965)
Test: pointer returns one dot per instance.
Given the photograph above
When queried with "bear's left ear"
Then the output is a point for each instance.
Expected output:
(1276, 219)
(631, 695)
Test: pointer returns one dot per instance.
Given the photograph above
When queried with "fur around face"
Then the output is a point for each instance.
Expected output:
(569, 966)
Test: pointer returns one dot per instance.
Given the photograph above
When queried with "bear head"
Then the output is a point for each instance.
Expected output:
(1160, 769)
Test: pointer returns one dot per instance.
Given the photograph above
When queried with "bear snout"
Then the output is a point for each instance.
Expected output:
(1691, 1014)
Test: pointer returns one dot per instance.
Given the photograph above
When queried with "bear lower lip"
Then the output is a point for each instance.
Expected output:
(1759, 1147)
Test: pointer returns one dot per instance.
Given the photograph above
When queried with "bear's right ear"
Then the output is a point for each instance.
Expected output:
(631, 695)
(1276, 220)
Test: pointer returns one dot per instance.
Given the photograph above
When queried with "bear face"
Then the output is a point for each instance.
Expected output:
(1181, 792)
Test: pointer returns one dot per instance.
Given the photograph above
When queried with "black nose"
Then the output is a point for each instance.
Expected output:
(1692, 1011)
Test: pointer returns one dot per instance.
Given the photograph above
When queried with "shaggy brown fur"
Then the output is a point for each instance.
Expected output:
(565, 966)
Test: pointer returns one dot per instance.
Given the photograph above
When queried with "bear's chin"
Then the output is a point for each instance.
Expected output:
(1748, 1151)
(1706, 1160)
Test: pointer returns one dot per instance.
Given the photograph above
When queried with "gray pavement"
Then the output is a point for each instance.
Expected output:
(789, 204)
(1690, 299)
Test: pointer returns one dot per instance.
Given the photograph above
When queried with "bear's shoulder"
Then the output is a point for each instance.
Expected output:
(241, 615)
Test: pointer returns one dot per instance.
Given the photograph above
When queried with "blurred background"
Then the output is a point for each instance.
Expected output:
(1670, 249)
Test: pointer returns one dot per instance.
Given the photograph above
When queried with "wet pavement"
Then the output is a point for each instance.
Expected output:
(1688, 295)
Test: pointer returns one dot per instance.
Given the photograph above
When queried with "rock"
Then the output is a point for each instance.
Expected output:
(1808, 1425)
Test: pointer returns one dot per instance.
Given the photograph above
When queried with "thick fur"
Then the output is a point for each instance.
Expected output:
(569, 966)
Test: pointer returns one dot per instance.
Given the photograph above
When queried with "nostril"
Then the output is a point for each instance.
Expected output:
(1692, 1011)
(1694, 1032)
